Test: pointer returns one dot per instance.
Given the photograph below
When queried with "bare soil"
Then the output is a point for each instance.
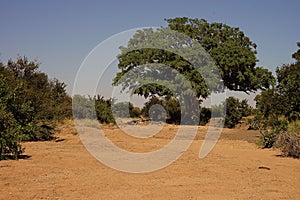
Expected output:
(235, 169)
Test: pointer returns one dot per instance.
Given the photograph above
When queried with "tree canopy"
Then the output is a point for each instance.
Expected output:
(231, 50)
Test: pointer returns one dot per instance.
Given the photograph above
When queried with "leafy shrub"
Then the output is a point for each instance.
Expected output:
(271, 130)
(104, 110)
(10, 136)
(10, 128)
(38, 131)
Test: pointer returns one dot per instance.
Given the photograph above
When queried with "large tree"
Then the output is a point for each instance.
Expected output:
(232, 51)
(207, 55)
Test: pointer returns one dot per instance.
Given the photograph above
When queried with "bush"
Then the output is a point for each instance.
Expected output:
(103, 110)
(270, 131)
(235, 111)
(171, 106)
(29, 102)
(289, 141)
(38, 131)
(205, 115)
(10, 128)
(10, 136)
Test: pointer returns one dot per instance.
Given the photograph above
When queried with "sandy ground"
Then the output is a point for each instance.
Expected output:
(235, 169)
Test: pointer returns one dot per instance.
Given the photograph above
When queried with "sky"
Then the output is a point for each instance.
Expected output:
(61, 34)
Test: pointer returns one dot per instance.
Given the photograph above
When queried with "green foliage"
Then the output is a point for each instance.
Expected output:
(135, 112)
(270, 132)
(235, 110)
(205, 115)
(288, 87)
(233, 115)
(233, 52)
(83, 108)
(104, 110)
(152, 79)
(284, 99)
(10, 136)
(10, 130)
(170, 105)
(29, 102)
(278, 106)
(61, 102)
(296, 55)
(268, 119)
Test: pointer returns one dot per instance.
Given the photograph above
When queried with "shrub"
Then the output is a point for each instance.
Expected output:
(289, 141)
(171, 106)
(271, 130)
(235, 111)
(205, 115)
(10, 136)
(38, 131)
(104, 110)
(29, 101)
(10, 128)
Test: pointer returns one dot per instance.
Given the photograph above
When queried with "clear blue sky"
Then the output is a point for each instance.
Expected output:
(60, 34)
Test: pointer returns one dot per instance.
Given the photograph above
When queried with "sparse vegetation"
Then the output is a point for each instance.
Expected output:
(278, 110)
(289, 141)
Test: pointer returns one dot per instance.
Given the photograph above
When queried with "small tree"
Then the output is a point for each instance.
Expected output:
(235, 111)
(104, 110)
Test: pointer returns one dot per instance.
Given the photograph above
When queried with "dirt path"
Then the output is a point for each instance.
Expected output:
(235, 169)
